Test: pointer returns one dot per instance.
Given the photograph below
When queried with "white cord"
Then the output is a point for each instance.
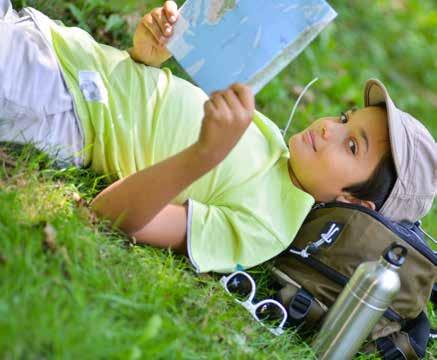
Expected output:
(429, 236)
(297, 103)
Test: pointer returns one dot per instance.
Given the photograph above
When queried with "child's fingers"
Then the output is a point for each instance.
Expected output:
(160, 22)
(232, 100)
(209, 108)
(171, 11)
(151, 26)
(245, 95)
(220, 105)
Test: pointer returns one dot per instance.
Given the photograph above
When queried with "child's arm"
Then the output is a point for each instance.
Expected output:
(168, 229)
(152, 33)
(133, 202)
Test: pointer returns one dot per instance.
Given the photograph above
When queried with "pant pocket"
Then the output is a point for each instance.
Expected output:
(18, 123)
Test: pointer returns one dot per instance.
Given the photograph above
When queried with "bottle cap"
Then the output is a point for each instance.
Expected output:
(395, 254)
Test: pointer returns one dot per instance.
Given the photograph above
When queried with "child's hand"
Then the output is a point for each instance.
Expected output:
(152, 33)
(228, 114)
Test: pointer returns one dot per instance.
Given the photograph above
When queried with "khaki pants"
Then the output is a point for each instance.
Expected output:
(35, 105)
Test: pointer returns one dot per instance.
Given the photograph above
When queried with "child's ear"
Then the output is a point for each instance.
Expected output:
(353, 200)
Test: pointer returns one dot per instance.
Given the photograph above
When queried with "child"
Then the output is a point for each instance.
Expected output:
(207, 176)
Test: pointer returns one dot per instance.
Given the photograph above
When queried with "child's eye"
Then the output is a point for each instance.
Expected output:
(352, 146)
(343, 118)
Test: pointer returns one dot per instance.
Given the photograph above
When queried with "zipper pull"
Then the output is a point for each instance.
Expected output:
(325, 238)
(302, 253)
(318, 206)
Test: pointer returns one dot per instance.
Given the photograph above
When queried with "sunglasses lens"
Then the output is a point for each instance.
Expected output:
(269, 312)
(239, 286)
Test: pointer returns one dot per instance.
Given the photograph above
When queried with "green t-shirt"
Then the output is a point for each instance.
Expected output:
(243, 212)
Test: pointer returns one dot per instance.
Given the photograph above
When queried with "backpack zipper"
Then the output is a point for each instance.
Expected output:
(338, 278)
(418, 245)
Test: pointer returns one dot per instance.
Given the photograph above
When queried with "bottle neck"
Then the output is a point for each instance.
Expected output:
(388, 265)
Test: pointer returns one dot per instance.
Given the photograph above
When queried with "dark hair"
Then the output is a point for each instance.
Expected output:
(378, 187)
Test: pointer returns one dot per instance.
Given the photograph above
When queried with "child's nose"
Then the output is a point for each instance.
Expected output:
(328, 129)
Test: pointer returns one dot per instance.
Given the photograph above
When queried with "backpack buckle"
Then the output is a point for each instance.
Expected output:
(389, 350)
(299, 307)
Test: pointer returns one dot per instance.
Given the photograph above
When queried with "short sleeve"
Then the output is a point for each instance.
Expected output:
(221, 239)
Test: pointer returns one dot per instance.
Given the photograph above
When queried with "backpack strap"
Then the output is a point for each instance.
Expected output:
(433, 297)
(418, 331)
(407, 344)
(388, 349)
(418, 229)
(302, 308)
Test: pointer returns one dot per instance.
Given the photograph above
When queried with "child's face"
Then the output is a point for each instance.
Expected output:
(336, 152)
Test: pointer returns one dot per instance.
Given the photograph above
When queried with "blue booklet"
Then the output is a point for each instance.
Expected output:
(219, 42)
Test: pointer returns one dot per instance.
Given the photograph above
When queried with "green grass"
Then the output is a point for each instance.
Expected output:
(87, 292)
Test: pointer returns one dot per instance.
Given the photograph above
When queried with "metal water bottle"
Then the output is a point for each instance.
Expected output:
(360, 305)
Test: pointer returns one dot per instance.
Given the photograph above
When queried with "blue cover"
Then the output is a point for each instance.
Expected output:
(219, 42)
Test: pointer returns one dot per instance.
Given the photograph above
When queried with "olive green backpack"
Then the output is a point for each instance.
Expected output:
(330, 245)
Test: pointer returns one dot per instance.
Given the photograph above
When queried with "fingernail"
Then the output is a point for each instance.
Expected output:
(168, 30)
(172, 18)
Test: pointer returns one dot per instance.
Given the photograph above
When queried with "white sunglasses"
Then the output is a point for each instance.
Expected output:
(242, 284)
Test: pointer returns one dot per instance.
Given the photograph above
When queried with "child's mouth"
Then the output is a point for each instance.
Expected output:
(309, 139)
